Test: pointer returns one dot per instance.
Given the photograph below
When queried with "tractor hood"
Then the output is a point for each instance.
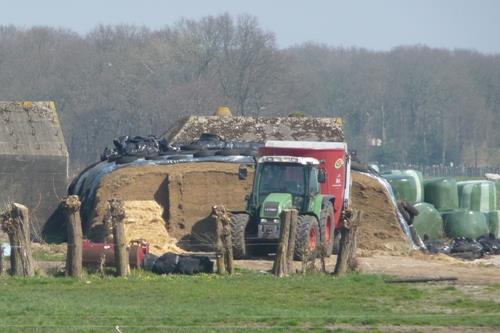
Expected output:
(274, 203)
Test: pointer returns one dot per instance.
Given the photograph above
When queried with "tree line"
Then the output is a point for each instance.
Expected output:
(411, 104)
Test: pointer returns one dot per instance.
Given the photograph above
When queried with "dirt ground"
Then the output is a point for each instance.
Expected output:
(479, 272)
(417, 265)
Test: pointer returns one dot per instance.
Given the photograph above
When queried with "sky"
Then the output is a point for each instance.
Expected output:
(372, 24)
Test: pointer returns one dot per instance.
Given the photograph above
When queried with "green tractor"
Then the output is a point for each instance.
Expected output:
(285, 182)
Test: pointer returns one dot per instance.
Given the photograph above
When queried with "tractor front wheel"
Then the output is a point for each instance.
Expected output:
(239, 224)
(308, 238)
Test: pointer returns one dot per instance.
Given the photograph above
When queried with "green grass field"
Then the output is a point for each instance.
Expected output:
(245, 302)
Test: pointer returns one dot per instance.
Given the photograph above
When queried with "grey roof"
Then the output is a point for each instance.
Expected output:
(30, 128)
(257, 129)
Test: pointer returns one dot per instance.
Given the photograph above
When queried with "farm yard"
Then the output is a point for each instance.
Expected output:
(207, 175)
(391, 279)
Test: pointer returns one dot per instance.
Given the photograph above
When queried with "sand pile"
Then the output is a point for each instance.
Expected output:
(185, 193)
(379, 232)
(143, 220)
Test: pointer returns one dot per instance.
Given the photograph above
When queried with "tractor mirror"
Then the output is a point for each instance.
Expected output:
(321, 176)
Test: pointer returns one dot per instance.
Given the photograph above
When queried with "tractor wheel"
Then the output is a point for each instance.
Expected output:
(327, 225)
(306, 243)
(239, 224)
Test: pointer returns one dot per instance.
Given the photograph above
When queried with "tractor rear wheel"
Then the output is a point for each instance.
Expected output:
(326, 226)
(307, 240)
(239, 224)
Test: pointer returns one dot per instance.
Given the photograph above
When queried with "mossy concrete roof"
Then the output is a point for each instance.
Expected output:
(257, 129)
(30, 128)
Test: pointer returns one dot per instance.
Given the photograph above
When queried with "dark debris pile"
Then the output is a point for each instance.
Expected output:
(465, 248)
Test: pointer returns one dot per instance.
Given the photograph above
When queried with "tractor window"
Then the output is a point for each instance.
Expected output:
(281, 178)
(313, 182)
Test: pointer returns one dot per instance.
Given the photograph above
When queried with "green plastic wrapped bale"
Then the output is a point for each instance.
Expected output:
(428, 223)
(477, 195)
(465, 223)
(494, 222)
(404, 187)
(419, 183)
(442, 193)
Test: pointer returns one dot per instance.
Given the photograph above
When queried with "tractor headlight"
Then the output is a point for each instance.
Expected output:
(269, 220)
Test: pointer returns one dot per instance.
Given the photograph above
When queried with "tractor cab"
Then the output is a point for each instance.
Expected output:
(293, 181)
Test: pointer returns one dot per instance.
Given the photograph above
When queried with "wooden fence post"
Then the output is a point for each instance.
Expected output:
(227, 241)
(71, 206)
(294, 214)
(15, 222)
(346, 259)
(280, 266)
(120, 247)
(220, 253)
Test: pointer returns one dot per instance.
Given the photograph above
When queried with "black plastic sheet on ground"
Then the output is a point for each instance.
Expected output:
(466, 248)
(490, 244)
(437, 246)
(171, 263)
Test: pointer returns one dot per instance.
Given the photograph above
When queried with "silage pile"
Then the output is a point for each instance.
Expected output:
(380, 231)
(178, 196)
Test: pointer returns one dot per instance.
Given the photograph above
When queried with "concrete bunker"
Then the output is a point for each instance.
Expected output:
(33, 159)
